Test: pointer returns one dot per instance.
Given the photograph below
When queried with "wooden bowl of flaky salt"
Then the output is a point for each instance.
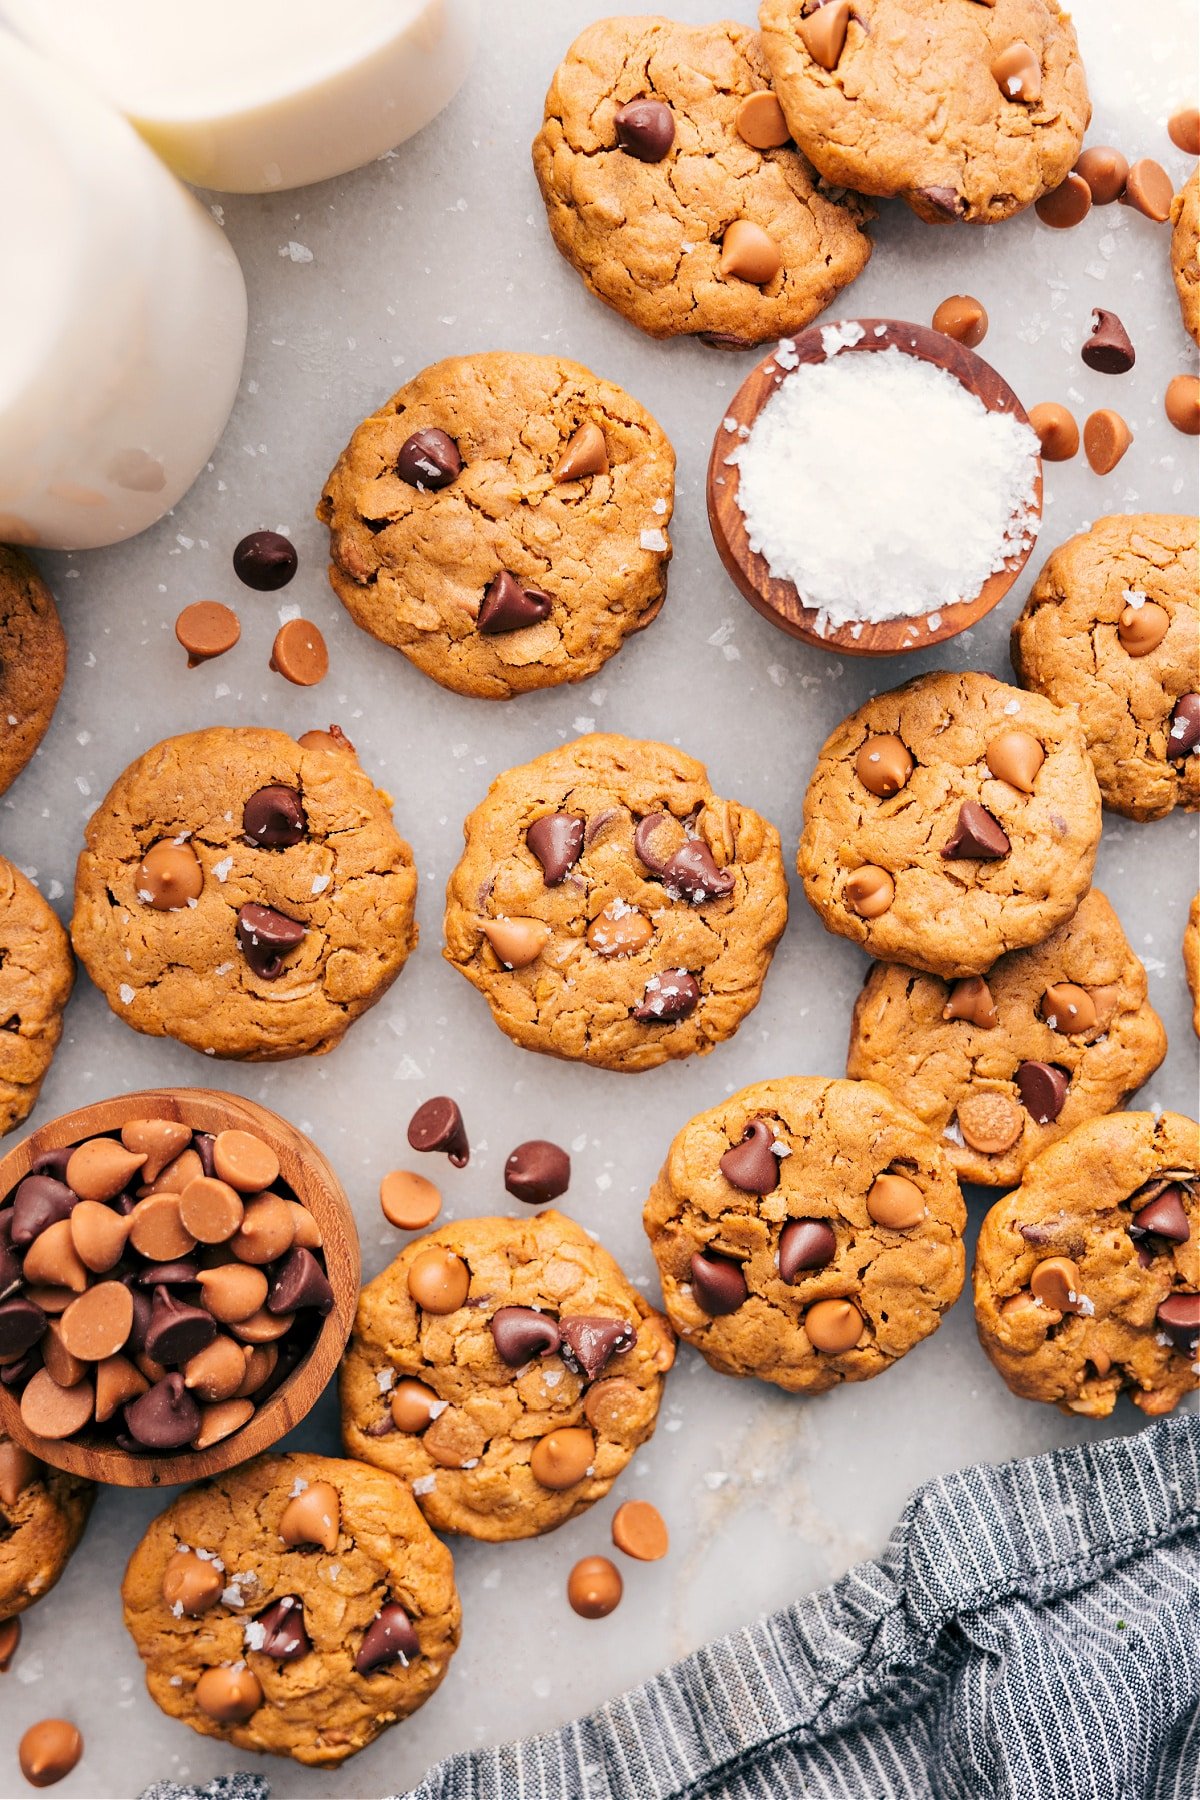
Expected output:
(875, 487)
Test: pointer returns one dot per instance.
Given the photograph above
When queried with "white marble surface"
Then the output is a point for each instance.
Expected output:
(354, 287)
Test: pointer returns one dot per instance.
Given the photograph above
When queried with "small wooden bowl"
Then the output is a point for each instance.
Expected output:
(779, 601)
(311, 1179)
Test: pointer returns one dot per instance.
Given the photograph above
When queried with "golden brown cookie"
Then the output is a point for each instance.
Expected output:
(33, 662)
(1086, 1275)
(966, 111)
(672, 187)
(808, 1232)
(37, 972)
(1185, 252)
(299, 1605)
(503, 521)
(42, 1516)
(508, 1370)
(611, 909)
(1191, 959)
(1003, 1064)
(1112, 628)
(949, 821)
(245, 894)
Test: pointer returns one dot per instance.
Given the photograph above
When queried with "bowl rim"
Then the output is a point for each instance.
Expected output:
(311, 1178)
(778, 600)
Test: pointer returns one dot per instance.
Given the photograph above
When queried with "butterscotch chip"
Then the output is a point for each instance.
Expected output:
(1149, 189)
(750, 253)
(313, 1516)
(299, 653)
(1106, 438)
(48, 1751)
(586, 454)
(218, 1371)
(1183, 129)
(185, 1168)
(117, 1380)
(52, 1260)
(989, 1121)
(962, 318)
(229, 1695)
(210, 1210)
(160, 1141)
(97, 1324)
(206, 629)
(594, 1587)
(438, 1280)
(1104, 169)
(221, 1420)
(192, 1583)
(639, 1531)
(1182, 403)
(517, 942)
(246, 1162)
(1057, 431)
(1076, 1303)
(266, 1231)
(51, 1411)
(259, 1369)
(761, 122)
(409, 1201)
(233, 1291)
(895, 1202)
(562, 1458)
(100, 1168)
(262, 1327)
(169, 877)
(65, 1367)
(306, 1232)
(1066, 205)
(157, 1231)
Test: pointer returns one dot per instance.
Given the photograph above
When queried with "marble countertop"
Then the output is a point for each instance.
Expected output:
(440, 248)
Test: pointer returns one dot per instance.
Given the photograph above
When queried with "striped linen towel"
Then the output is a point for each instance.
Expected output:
(1031, 1632)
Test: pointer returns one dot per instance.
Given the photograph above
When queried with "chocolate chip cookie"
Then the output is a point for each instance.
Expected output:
(298, 1605)
(244, 893)
(950, 821)
(33, 662)
(1191, 959)
(1086, 1276)
(503, 521)
(672, 186)
(1001, 1065)
(611, 909)
(1185, 252)
(808, 1232)
(37, 973)
(1112, 628)
(508, 1370)
(42, 1516)
(965, 111)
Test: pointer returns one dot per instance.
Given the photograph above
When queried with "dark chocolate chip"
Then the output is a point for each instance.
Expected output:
(1179, 1316)
(300, 1282)
(508, 606)
(381, 1426)
(693, 873)
(977, 836)
(668, 998)
(265, 560)
(53, 1162)
(1184, 734)
(429, 459)
(389, 1638)
(537, 1172)
(202, 1144)
(588, 1345)
(655, 839)
(265, 936)
(645, 129)
(1038, 1233)
(274, 817)
(556, 839)
(16, 1374)
(946, 200)
(520, 1334)
(22, 1324)
(805, 1244)
(438, 1125)
(718, 1284)
(1164, 1217)
(752, 1165)
(177, 1330)
(143, 1306)
(1108, 349)
(40, 1201)
(1145, 1255)
(173, 1274)
(284, 1636)
(1043, 1089)
(165, 1417)
(10, 1270)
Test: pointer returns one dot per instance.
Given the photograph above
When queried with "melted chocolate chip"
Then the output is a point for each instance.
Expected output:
(520, 1333)
(508, 606)
(285, 1638)
(274, 817)
(429, 458)
(645, 129)
(265, 937)
(668, 998)
(977, 836)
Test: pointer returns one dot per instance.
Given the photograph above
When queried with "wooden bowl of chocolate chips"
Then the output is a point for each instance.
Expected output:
(179, 1271)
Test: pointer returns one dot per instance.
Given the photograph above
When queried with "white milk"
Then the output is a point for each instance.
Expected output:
(122, 319)
(250, 95)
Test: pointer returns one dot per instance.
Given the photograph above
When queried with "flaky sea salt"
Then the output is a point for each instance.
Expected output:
(882, 488)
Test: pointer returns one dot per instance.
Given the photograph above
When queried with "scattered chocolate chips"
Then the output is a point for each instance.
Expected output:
(752, 1165)
(588, 1345)
(1164, 1217)
(285, 1638)
(1108, 349)
(556, 839)
(805, 1244)
(509, 606)
(1179, 1316)
(668, 998)
(265, 937)
(1184, 734)
(207, 629)
(438, 1125)
(300, 1282)
(1043, 1090)
(389, 1638)
(165, 1417)
(977, 836)
(274, 817)
(537, 1172)
(521, 1332)
(429, 459)
(718, 1284)
(265, 560)
(645, 129)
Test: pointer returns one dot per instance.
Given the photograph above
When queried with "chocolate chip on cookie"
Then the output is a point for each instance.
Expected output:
(836, 1269)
